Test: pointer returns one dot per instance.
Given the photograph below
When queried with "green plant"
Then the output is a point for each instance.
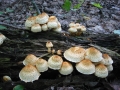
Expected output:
(19, 87)
(98, 5)
(2, 27)
(67, 5)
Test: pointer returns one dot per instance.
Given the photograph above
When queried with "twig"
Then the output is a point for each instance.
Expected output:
(34, 4)
(16, 27)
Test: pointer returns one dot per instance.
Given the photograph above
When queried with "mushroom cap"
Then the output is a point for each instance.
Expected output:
(74, 54)
(29, 73)
(41, 65)
(42, 18)
(72, 30)
(72, 24)
(2, 38)
(30, 21)
(93, 54)
(49, 44)
(59, 52)
(54, 18)
(55, 62)
(107, 59)
(6, 78)
(30, 59)
(58, 29)
(109, 67)
(44, 27)
(36, 28)
(66, 68)
(81, 27)
(52, 24)
(85, 67)
(101, 71)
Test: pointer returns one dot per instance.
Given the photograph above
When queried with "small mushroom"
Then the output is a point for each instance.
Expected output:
(49, 45)
(85, 67)
(36, 28)
(7, 78)
(2, 38)
(29, 73)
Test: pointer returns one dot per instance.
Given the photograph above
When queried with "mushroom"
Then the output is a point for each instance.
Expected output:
(58, 29)
(72, 24)
(55, 62)
(93, 54)
(36, 28)
(7, 78)
(30, 59)
(107, 59)
(44, 27)
(2, 38)
(41, 65)
(52, 23)
(109, 67)
(85, 67)
(72, 30)
(74, 54)
(42, 18)
(30, 21)
(49, 45)
(101, 71)
(29, 73)
(59, 52)
(66, 68)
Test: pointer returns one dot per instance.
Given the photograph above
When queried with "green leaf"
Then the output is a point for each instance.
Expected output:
(1, 13)
(67, 5)
(2, 27)
(8, 10)
(18, 87)
(96, 5)
(77, 6)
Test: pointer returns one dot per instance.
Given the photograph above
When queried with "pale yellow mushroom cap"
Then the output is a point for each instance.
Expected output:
(52, 23)
(49, 44)
(101, 71)
(72, 30)
(85, 67)
(107, 59)
(93, 54)
(29, 73)
(30, 59)
(59, 52)
(53, 18)
(58, 29)
(36, 28)
(41, 65)
(42, 18)
(7, 78)
(44, 27)
(74, 54)
(30, 21)
(55, 62)
(66, 68)
(72, 24)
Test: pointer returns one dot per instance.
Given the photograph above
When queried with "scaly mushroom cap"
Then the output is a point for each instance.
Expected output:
(74, 54)
(30, 21)
(85, 67)
(55, 62)
(66, 68)
(29, 74)
(42, 65)
(93, 54)
(44, 27)
(30, 59)
(36, 28)
(42, 18)
(107, 59)
(101, 71)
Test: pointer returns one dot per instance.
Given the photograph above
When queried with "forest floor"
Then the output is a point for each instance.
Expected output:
(100, 23)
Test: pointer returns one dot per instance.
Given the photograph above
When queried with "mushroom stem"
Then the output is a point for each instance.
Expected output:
(49, 49)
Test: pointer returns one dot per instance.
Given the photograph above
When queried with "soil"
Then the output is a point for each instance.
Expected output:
(100, 24)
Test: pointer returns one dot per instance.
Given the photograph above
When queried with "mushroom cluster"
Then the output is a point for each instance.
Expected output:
(43, 22)
(76, 29)
(88, 61)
